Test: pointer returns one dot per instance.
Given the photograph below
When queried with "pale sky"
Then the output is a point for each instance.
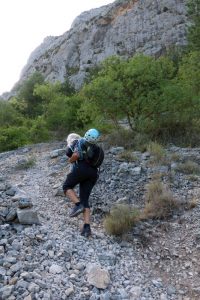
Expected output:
(25, 23)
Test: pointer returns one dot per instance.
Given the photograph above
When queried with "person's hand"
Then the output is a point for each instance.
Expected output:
(74, 157)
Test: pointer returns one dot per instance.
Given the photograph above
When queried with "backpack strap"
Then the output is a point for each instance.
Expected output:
(81, 143)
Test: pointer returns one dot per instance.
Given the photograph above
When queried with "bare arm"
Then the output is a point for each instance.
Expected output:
(74, 157)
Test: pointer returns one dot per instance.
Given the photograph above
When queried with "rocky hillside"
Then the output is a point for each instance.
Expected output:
(50, 260)
(123, 28)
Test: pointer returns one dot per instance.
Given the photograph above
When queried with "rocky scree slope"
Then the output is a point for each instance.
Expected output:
(121, 28)
(51, 260)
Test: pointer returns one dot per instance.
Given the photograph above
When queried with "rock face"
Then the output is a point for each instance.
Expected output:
(124, 27)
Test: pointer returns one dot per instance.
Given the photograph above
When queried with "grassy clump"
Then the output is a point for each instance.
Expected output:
(175, 157)
(121, 219)
(127, 156)
(193, 177)
(26, 164)
(157, 151)
(194, 202)
(160, 202)
(188, 167)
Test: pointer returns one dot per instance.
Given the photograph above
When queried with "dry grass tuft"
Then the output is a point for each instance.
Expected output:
(25, 164)
(188, 167)
(160, 202)
(127, 156)
(121, 219)
(157, 176)
(175, 157)
(193, 203)
(157, 151)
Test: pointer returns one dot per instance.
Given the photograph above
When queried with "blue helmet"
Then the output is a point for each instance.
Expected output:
(92, 135)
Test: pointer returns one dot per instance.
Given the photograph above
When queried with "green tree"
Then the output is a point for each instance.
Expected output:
(62, 114)
(61, 111)
(9, 115)
(67, 88)
(103, 96)
(189, 72)
(47, 92)
(143, 80)
(194, 28)
(31, 104)
(130, 88)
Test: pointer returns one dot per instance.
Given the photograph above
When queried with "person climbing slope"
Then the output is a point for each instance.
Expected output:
(86, 157)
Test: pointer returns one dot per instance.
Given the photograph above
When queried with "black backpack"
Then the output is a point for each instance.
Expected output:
(97, 157)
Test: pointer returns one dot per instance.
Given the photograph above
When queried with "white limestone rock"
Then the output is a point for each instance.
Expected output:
(97, 276)
(28, 216)
(55, 269)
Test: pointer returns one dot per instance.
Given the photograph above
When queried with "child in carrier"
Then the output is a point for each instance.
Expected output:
(72, 145)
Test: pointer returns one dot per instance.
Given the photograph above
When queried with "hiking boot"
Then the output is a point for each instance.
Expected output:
(76, 210)
(86, 231)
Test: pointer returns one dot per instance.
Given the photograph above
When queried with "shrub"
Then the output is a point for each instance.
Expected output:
(188, 167)
(127, 139)
(9, 115)
(120, 220)
(121, 137)
(160, 202)
(193, 177)
(141, 141)
(39, 131)
(13, 137)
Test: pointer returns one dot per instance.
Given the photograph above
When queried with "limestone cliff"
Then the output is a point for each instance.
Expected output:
(124, 27)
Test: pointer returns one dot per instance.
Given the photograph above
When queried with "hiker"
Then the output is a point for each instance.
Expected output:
(85, 156)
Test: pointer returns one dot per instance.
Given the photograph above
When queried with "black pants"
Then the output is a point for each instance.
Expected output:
(84, 175)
